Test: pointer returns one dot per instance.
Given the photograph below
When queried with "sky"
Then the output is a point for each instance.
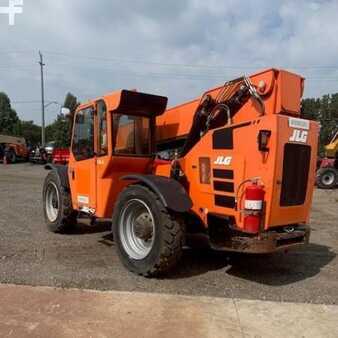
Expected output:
(174, 48)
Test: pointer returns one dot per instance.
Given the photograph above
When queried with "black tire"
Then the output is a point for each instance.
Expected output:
(327, 178)
(166, 248)
(66, 216)
(12, 156)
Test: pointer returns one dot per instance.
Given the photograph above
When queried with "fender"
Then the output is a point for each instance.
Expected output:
(62, 172)
(171, 192)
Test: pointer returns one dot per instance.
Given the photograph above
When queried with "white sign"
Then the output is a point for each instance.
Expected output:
(299, 123)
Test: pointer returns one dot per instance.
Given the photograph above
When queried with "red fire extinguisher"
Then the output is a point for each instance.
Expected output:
(253, 207)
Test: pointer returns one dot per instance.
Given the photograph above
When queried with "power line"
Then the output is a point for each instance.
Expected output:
(120, 60)
(188, 65)
(17, 51)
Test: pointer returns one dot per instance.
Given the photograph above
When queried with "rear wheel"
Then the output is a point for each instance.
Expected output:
(148, 237)
(327, 178)
(57, 205)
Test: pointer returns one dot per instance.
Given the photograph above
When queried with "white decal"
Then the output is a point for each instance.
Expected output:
(83, 199)
(299, 136)
(253, 205)
(299, 123)
(223, 160)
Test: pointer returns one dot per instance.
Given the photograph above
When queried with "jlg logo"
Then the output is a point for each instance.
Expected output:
(299, 136)
(222, 160)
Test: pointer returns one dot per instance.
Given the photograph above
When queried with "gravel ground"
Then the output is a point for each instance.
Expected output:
(86, 258)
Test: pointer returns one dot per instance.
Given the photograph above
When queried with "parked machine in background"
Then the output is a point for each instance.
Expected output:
(327, 174)
(13, 148)
(38, 155)
(49, 149)
(237, 164)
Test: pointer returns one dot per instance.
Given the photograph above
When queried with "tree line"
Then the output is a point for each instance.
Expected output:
(58, 131)
(324, 110)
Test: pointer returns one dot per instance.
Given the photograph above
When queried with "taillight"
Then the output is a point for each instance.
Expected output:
(204, 169)
(253, 207)
(263, 140)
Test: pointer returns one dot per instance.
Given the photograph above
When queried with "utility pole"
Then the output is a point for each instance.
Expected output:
(43, 135)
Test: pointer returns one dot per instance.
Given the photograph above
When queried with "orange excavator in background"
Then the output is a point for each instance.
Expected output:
(237, 164)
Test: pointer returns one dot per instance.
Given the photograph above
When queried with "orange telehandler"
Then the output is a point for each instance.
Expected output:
(237, 164)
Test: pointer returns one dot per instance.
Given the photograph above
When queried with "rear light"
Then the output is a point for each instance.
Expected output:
(263, 140)
(204, 168)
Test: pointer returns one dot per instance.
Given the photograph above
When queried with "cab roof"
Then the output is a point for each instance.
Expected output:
(132, 103)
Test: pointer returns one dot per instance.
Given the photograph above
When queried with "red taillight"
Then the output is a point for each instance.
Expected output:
(253, 206)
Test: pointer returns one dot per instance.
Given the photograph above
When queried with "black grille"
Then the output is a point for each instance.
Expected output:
(226, 174)
(225, 201)
(295, 174)
(223, 186)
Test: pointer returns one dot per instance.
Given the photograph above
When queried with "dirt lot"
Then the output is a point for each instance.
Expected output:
(86, 258)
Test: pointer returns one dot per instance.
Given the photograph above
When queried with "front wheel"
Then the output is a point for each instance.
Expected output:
(57, 205)
(148, 237)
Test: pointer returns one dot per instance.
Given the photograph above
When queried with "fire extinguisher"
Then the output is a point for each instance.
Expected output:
(253, 207)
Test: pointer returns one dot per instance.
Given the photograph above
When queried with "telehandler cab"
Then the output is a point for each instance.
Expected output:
(237, 164)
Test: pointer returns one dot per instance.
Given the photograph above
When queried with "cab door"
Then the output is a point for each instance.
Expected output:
(82, 165)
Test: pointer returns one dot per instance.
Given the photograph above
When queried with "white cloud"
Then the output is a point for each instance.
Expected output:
(242, 36)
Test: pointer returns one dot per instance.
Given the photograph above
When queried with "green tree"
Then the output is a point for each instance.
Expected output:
(310, 108)
(325, 111)
(31, 132)
(9, 121)
(59, 131)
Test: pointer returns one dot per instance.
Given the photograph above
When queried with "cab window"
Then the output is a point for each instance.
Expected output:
(102, 129)
(131, 135)
(83, 140)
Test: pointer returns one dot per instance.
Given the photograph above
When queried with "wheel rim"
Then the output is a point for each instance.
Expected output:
(328, 178)
(137, 229)
(52, 202)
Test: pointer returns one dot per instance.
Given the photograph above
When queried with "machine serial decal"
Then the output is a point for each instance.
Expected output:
(299, 136)
(83, 199)
(223, 160)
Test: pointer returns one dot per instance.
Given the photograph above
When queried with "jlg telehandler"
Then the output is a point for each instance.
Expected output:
(237, 164)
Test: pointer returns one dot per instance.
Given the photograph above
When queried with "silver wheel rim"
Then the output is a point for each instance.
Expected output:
(137, 229)
(52, 202)
(328, 178)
